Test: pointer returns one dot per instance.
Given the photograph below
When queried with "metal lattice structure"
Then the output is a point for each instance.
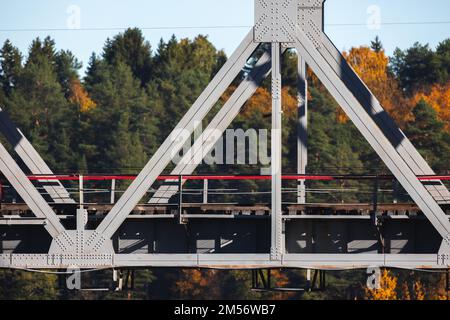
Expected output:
(278, 239)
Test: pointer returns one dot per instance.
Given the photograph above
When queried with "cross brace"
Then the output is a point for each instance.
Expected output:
(32, 159)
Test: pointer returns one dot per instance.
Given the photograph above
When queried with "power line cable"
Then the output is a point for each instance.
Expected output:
(403, 23)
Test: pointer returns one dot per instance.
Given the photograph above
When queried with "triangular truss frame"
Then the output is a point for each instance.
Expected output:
(284, 24)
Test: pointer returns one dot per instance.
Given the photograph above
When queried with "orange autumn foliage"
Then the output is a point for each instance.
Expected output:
(416, 291)
(194, 283)
(387, 291)
(80, 97)
(261, 102)
(419, 290)
(440, 292)
(281, 280)
(372, 67)
(438, 97)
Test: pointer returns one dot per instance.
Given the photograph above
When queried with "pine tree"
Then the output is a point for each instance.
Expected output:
(67, 66)
(443, 58)
(38, 104)
(428, 135)
(376, 45)
(10, 67)
(416, 68)
(131, 48)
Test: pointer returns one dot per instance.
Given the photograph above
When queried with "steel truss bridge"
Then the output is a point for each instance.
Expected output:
(46, 225)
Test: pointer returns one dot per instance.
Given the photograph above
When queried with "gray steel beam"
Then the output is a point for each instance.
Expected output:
(277, 240)
(302, 128)
(373, 134)
(32, 159)
(29, 194)
(310, 20)
(370, 103)
(223, 261)
(222, 120)
(173, 143)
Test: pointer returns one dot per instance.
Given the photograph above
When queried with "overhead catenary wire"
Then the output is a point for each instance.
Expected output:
(356, 24)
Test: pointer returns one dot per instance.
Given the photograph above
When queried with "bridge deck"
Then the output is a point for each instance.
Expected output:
(11, 213)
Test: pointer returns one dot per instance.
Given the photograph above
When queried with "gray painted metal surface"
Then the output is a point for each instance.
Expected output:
(230, 241)
(310, 13)
(275, 21)
(221, 121)
(32, 197)
(302, 128)
(173, 144)
(32, 159)
(373, 135)
(277, 246)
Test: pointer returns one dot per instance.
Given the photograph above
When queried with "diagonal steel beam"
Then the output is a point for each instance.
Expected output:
(173, 143)
(311, 21)
(29, 194)
(32, 159)
(373, 134)
(221, 121)
(371, 104)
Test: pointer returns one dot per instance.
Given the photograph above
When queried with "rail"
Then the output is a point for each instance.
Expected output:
(368, 193)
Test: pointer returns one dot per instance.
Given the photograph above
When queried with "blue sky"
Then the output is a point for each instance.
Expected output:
(100, 14)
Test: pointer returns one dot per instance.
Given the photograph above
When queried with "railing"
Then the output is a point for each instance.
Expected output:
(206, 192)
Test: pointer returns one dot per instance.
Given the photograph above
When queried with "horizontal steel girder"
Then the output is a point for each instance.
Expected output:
(222, 261)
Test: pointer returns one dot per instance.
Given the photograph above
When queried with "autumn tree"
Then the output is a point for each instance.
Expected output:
(80, 97)
(438, 97)
(387, 290)
(427, 132)
(372, 66)
(22, 285)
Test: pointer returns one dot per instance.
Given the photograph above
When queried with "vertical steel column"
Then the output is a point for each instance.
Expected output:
(180, 201)
(81, 190)
(302, 129)
(205, 191)
(113, 191)
(81, 215)
(276, 168)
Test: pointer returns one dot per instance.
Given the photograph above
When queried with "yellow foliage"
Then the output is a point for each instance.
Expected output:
(281, 280)
(438, 96)
(80, 97)
(193, 283)
(439, 292)
(387, 291)
(372, 67)
(419, 291)
(406, 295)
(261, 102)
